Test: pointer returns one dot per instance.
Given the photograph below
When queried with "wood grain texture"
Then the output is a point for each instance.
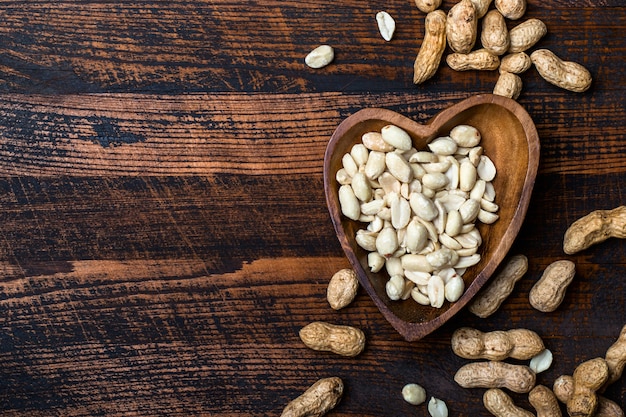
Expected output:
(258, 134)
(164, 232)
(226, 45)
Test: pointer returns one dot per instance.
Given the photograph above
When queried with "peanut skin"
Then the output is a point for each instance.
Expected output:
(490, 298)
(496, 374)
(516, 63)
(616, 357)
(564, 388)
(480, 59)
(511, 9)
(565, 74)
(498, 403)
(433, 46)
(342, 340)
(462, 27)
(588, 378)
(595, 227)
(496, 345)
(494, 35)
(508, 85)
(316, 401)
(342, 288)
(526, 34)
(608, 408)
(482, 7)
(428, 6)
(470, 343)
(548, 292)
(544, 402)
(527, 344)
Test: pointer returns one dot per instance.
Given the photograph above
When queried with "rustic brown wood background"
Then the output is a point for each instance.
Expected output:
(164, 233)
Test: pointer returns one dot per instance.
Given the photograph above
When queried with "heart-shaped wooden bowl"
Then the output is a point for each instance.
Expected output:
(509, 138)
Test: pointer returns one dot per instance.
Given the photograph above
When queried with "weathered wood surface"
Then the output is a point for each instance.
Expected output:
(164, 231)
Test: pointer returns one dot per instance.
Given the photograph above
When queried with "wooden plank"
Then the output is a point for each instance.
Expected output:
(262, 134)
(135, 322)
(223, 46)
(151, 337)
(225, 220)
(164, 231)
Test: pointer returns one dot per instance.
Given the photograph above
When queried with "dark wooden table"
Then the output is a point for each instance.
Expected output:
(164, 228)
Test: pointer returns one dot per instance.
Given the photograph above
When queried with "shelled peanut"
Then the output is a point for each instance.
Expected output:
(437, 408)
(414, 394)
(541, 362)
(421, 208)
(320, 57)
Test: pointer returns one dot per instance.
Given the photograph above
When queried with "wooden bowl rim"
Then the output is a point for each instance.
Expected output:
(412, 331)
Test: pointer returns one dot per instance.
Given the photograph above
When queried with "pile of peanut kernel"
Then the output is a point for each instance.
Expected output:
(421, 208)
